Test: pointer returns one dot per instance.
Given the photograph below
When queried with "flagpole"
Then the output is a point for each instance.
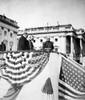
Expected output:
(47, 26)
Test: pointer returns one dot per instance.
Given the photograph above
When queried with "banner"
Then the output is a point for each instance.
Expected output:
(71, 80)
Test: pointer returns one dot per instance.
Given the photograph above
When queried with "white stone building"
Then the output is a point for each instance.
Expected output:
(66, 39)
(8, 32)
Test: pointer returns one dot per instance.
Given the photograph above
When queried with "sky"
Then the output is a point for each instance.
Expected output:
(37, 13)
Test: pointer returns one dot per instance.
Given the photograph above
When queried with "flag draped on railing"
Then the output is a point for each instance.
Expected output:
(71, 80)
(21, 67)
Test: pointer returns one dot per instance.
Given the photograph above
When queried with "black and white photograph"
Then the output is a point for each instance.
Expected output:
(42, 49)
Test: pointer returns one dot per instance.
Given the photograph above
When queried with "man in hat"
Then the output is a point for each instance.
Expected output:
(23, 43)
(30, 39)
(48, 45)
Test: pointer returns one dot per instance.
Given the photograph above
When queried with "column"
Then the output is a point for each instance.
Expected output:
(72, 47)
(81, 51)
(65, 45)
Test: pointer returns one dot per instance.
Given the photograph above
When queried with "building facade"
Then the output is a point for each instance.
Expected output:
(8, 32)
(66, 39)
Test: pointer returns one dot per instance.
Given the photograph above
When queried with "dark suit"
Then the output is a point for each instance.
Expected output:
(31, 45)
(48, 45)
(3, 47)
(23, 44)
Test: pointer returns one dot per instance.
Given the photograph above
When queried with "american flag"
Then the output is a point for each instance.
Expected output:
(71, 80)
(21, 67)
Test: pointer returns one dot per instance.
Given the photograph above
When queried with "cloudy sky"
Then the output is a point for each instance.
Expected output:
(34, 13)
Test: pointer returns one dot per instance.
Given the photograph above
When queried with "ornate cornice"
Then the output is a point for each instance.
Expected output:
(8, 21)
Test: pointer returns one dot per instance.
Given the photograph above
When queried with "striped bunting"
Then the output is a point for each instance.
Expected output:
(71, 81)
(21, 67)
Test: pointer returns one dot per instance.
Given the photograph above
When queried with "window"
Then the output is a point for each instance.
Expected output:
(56, 39)
(34, 41)
(11, 45)
(41, 40)
(2, 28)
(8, 30)
(11, 34)
(5, 33)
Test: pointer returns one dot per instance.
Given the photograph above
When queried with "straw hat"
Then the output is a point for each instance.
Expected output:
(31, 37)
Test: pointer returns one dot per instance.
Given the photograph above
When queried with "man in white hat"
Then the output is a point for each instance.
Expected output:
(30, 39)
